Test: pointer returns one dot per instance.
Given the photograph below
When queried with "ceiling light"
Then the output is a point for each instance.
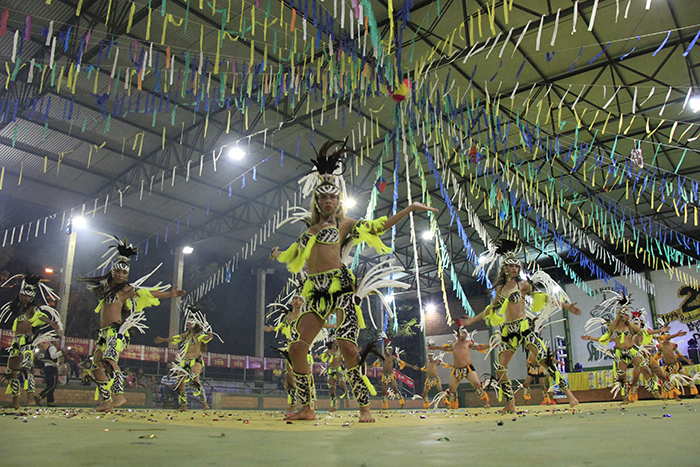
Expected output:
(350, 203)
(236, 153)
(430, 308)
(389, 298)
(428, 235)
(187, 250)
(48, 270)
(79, 222)
(695, 104)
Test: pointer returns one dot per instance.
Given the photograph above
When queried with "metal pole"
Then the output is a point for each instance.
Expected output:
(178, 268)
(260, 311)
(67, 277)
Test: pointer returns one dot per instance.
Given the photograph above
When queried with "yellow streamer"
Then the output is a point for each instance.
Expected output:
(605, 125)
(131, 17)
(109, 10)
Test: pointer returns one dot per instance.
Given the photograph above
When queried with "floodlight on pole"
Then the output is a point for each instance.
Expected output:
(695, 103)
(79, 222)
(236, 153)
(187, 250)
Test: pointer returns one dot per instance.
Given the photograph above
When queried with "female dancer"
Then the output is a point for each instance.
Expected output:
(627, 352)
(285, 327)
(330, 284)
(189, 363)
(29, 317)
(508, 311)
(120, 308)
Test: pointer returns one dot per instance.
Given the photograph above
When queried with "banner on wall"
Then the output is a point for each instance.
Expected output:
(688, 312)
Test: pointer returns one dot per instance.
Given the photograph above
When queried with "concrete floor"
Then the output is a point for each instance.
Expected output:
(599, 434)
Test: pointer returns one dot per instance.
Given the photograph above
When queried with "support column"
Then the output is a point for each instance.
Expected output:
(66, 278)
(178, 268)
(260, 304)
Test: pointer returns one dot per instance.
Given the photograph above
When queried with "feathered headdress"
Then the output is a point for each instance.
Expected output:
(30, 284)
(504, 249)
(618, 303)
(121, 253)
(195, 316)
(329, 166)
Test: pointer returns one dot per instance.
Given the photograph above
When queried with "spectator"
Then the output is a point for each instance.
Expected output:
(141, 382)
(167, 384)
(130, 379)
(49, 357)
(86, 372)
(73, 359)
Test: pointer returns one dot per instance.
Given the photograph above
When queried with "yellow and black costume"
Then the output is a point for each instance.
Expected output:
(328, 291)
(114, 339)
(23, 345)
(184, 373)
(520, 333)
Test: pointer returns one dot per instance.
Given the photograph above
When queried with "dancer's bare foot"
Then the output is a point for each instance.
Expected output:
(510, 407)
(366, 415)
(305, 413)
(119, 400)
(183, 408)
(332, 408)
(205, 406)
(677, 398)
(292, 408)
(14, 404)
(30, 399)
(487, 405)
(625, 401)
(573, 402)
(105, 406)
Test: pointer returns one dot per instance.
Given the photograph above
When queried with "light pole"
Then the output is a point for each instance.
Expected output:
(178, 268)
(67, 269)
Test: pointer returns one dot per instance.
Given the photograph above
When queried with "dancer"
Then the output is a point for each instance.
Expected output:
(29, 317)
(627, 352)
(120, 307)
(289, 317)
(330, 284)
(463, 366)
(668, 350)
(515, 328)
(189, 364)
(432, 380)
(336, 373)
(536, 374)
(650, 368)
(390, 359)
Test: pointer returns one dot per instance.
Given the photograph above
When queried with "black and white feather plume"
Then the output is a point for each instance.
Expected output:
(378, 278)
(121, 250)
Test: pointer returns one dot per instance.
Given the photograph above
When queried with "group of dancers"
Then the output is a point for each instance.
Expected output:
(121, 307)
(328, 297)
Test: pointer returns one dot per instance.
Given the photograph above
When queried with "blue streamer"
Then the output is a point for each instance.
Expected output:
(662, 44)
(600, 53)
(692, 44)
(635, 48)
(577, 57)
